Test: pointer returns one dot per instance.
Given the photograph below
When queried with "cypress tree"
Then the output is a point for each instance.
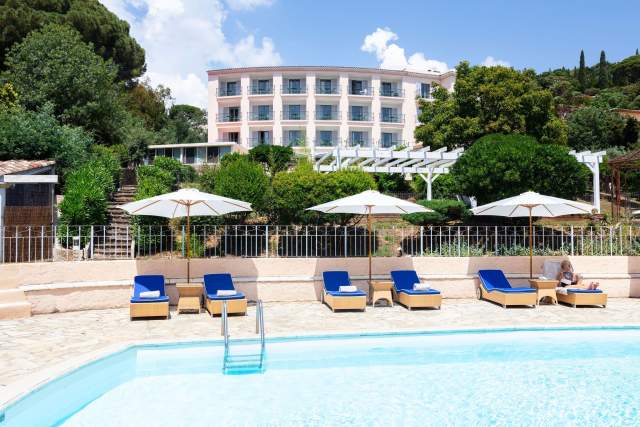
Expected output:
(582, 72)
(637, 52)
(603, 71)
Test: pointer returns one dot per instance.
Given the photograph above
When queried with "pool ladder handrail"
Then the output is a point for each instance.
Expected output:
(225, 329)
(259, 331)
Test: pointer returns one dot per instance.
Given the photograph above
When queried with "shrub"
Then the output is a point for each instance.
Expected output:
(499, 166)
(180, 172)
(244, 180)
(444, 211)
(351, 181)
(274, 157)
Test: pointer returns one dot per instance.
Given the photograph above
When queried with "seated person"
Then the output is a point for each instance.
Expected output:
(570, 280)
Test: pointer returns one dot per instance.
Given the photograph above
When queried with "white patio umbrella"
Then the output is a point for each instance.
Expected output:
(187, 202)
(533, 204)
(370, 203)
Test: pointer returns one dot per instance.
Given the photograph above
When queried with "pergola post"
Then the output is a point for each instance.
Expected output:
(595, 172)
(429, 180)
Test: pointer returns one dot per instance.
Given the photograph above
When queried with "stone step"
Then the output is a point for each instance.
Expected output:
(12, 295)
(15, 310)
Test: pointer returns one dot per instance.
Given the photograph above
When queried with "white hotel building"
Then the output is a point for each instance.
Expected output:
(312, 108)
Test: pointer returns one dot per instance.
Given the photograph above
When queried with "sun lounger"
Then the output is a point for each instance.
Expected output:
(236, 303)
(337, 300)
(495, 287)
(405, 294)
(157, 306)
(574, 297)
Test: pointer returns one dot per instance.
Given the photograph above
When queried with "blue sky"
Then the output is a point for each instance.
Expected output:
(184, 38)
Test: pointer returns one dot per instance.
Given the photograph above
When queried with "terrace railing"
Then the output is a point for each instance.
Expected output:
(66, 243)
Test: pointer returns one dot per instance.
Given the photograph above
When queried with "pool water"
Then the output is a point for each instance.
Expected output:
(539, 378)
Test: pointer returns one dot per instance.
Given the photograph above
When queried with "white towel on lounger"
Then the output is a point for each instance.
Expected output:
(349, 288)
(226, 292)
(562, 291)
(421, 287)
(150, 294)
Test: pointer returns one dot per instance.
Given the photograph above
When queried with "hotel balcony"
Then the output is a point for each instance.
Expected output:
(360, 91)
(293, 115)
(254, 142)
(359, 142)
(294, 90)
(360, 116)
(391, 143)
(333, 142)
(227, 118)
(233, 91)
(261, 115)
(294, 143)
(327, 90)
(333, 114)
(392, 118)
(392, 92)
(261, 90)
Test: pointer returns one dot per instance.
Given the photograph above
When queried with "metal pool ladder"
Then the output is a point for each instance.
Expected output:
(243, 363)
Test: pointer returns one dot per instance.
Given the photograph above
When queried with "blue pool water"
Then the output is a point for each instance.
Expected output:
(539, 378)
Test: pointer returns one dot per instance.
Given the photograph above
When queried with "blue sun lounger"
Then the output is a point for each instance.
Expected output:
(236, 304)
(495, 287)
(403, 281)
(337, 300)
(149, 307)
(581, 297)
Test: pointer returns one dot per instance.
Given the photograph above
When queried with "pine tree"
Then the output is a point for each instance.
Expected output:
(582, 72)
(603, 71)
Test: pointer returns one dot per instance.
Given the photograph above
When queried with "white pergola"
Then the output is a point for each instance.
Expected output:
(427, 164)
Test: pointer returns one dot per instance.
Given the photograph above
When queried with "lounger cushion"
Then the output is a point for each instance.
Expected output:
(584, 291)
(148, 283)
(404, 279)
(216, 297)
(416, 292)
(495, 280)
(347, 294)
(334, 279)
(137, 300)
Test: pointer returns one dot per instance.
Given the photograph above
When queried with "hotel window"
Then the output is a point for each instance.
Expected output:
(294, 137)
(294, 86)
(325, 138)
(263, 137)
(189, 155)
(264, 86)
(324, 86)
(233, 114)
(386, 89)
(358, 137)
(325, 112)
(357, 87)
(160, 152)
(425, 90)
(388, 114)
(359, 113)
(232, 137)
(212, 154)
(264, 112)
(294, 112)
(388, 140)
(176, 153)
(232, 88)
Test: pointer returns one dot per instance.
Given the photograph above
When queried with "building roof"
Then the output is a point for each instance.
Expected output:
(321, 68)
(10, 167)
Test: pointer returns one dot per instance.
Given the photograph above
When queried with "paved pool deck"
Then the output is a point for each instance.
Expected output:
(30, 347)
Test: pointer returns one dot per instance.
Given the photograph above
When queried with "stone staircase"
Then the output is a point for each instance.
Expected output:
(14, 304)
(115, 240)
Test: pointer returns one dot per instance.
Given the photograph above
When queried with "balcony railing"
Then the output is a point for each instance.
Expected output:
(363, 91)
(359, 142)
(393, 92)
(294, 115)
(328, 90)
(300, 142)
(391, 143)
(236, 91)
(333, 142)
(292, 90)
(261, 115)
(226, 118)
(360, 116)
(254, 142)
(392, 118)
(328, 115)
(260, 90)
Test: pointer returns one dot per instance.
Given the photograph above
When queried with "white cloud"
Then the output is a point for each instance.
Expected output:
(490, 61)
(184, 38)
(247, 4)
(393, 57)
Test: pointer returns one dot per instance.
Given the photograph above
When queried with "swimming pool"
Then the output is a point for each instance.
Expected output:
(526, 377)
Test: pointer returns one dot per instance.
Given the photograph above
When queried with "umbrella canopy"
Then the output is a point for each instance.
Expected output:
(186, 202)
(370, 203)
(533, 204)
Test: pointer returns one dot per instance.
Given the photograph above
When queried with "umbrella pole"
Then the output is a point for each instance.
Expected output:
(369, 232)
(530, 246)
(188, 246)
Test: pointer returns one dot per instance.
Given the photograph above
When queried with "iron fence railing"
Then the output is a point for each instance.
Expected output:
(66, 243)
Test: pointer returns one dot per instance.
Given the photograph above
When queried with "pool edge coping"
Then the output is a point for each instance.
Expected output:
(17, 390)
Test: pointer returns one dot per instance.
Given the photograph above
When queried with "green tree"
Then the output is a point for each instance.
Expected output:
(595, 128)
(627, 71)
(108, 34)
(37, 135)
(8, 96)
(444, 211)
(53, 65)
(244, 180)
(631, 132)
(603, 71)
(186, 125)
(148, 104)
(275, 158)
(487, 100)
(499, 166)
(582, 72)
